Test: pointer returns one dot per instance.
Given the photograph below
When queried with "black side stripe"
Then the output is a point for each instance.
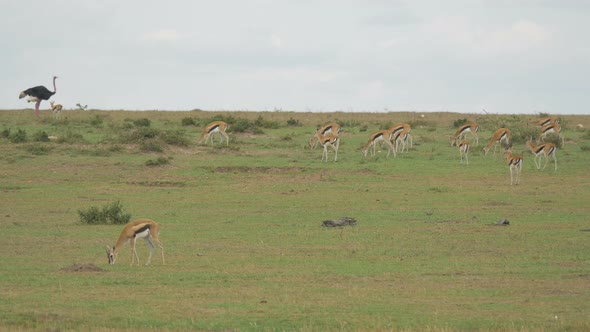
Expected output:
(213, 128)
(146, 226)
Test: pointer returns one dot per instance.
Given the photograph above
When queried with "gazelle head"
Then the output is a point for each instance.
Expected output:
(452, 140)
(111, 255)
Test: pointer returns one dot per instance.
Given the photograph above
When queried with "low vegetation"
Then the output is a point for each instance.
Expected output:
(243, 225)
(109, 214)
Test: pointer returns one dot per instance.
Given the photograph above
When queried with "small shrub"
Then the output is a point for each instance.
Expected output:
(91, 216)
(151, 145)
(38, 149)
(19, 137)
(292, 122)
(241, 126)
(138, 135)
(144, 122)
(348, 123)
(157, 162)
(5, 133)
(257, 131)
(260, 122)
(71, 137)
(555, 139)
(40, 136)
(522, 133)
(459, 122)
(97, 121)
(175, 137)
(188, 122)
(109, 214)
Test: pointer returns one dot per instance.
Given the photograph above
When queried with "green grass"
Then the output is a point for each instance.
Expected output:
(241, 227)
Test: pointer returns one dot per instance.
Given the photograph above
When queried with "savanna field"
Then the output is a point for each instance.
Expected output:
(242, 225)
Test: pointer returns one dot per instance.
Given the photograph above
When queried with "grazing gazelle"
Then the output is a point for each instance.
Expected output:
(330, 140)
(331, 128)
(139, 229)
(464, 150)
(500, 135)
(545, 149)
(515, 166)
(399, 127)
(215, 127)
(403, 138)
(547, 120)
(472, 128)
(380, 136)
(551, 128)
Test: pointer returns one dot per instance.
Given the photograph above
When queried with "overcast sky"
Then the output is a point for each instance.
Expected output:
(504, 56)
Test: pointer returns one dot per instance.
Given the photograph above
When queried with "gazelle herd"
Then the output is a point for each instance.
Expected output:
(398, 138)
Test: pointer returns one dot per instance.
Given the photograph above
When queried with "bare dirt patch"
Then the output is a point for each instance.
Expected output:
(157, 183)
(82, 268)
(267, 170)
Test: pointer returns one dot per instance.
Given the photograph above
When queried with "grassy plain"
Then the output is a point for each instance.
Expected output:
(241, 226)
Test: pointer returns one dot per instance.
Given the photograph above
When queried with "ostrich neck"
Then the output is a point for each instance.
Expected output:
(54, 88)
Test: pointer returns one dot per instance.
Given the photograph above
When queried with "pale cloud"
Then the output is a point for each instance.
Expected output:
(163, 35)
(462, 38)
(371, 90)
(457, 55)
(276, 40)
(521, 36)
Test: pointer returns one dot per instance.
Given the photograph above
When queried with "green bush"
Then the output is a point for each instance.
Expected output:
(175, 137)
(138, 135)
(19, 137)
(459, 122)
(96, 121)
(109, 214)
(293, 122)
(151, 145)
(38, 149)
(40, 136)
(71, 137)
(260, 122)
(144, 122)
(188, 122)
(241, 126)
(158, 162)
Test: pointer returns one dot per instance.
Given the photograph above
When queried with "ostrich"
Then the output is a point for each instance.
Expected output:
(38, 94)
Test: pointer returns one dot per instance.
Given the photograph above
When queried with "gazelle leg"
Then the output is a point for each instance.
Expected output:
(335, 147)
(133, 252)
(226, 138)
(151, 245)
